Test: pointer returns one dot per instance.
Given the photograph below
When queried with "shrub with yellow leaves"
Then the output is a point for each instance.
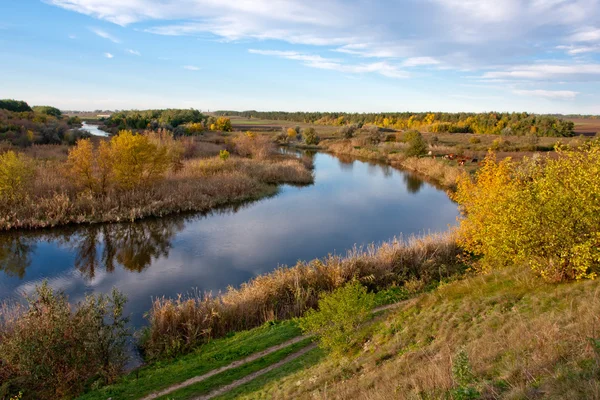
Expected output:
(544, 213)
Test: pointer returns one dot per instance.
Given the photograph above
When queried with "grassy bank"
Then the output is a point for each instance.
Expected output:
(508, 334)
(208, 357)
(178, 325)
(52, 191)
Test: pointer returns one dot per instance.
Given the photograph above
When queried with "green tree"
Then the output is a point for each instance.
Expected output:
(417, 146)
(48, 110)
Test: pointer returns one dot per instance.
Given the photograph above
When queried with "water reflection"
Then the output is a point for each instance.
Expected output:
(413, 183)
(15, 254)
(351, 202)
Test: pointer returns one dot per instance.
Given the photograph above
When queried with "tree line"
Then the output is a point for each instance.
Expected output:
(169, 119)
(494, 123)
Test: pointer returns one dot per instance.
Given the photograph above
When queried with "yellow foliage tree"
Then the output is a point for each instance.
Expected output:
(136, 161)
(16, 171)
(80, 165)
(544, 213)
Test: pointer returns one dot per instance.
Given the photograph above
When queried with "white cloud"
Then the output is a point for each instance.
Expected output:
(419, 61)
(458, 34)
(576, 50)
(586, 35)
(316, 61)
(547, 71)
(191, 68)
(134, 52)
(105, 35)
(108, 55)
(548, 94)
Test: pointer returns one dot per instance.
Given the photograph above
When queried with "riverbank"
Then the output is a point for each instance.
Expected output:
(437, 170)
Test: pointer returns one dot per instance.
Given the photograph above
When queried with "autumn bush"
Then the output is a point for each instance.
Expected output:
(51, 349)
(253, 146)
(542, 212)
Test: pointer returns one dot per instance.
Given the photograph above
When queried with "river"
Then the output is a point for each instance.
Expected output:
(92, 129)
(351, 202)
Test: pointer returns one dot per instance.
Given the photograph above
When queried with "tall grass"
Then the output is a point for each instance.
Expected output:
(177, 325)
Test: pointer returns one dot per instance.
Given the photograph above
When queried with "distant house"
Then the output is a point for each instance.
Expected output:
(103, 115)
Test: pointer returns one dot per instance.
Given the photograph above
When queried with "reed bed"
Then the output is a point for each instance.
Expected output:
(53, 199)
(178, 325)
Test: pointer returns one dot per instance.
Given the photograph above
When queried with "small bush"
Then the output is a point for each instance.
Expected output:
(311, 137)
(224, 155)
(340, 313)
(474, 140)
(463, 377)
(50, 349)
(348, 131)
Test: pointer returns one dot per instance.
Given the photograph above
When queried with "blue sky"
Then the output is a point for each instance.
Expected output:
(304, 55)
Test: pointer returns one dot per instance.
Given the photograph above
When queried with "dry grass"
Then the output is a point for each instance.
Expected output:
(524, 338)
(180, 324)
(437, 170)
(54, 200)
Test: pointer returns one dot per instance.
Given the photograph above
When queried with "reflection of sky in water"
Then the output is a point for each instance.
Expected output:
(351, 202)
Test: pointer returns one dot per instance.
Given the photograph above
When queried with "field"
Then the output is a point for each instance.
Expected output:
(586, 126)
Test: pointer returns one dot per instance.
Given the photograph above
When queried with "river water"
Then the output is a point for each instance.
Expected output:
(92, 129)
(352, 202)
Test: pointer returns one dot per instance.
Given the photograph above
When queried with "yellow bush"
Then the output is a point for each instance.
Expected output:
(542, 213)
(16, 172)
(194, 128)
(223, 124)
(291, 133)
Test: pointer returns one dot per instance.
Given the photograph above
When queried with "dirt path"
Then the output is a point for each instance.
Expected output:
(256, 374)
(248, 359)
(234, 364)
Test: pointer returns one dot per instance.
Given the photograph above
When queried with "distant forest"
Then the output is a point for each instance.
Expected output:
(23, 125)
(493, 123)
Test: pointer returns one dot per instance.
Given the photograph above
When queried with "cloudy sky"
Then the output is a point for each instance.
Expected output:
(328, 55)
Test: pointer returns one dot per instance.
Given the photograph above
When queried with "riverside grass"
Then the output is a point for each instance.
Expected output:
(200, 185)
(179, 325)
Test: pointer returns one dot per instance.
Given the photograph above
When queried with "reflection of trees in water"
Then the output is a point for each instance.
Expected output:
(346, 163)
(15, 254)
(413, 183)
(132, 245)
